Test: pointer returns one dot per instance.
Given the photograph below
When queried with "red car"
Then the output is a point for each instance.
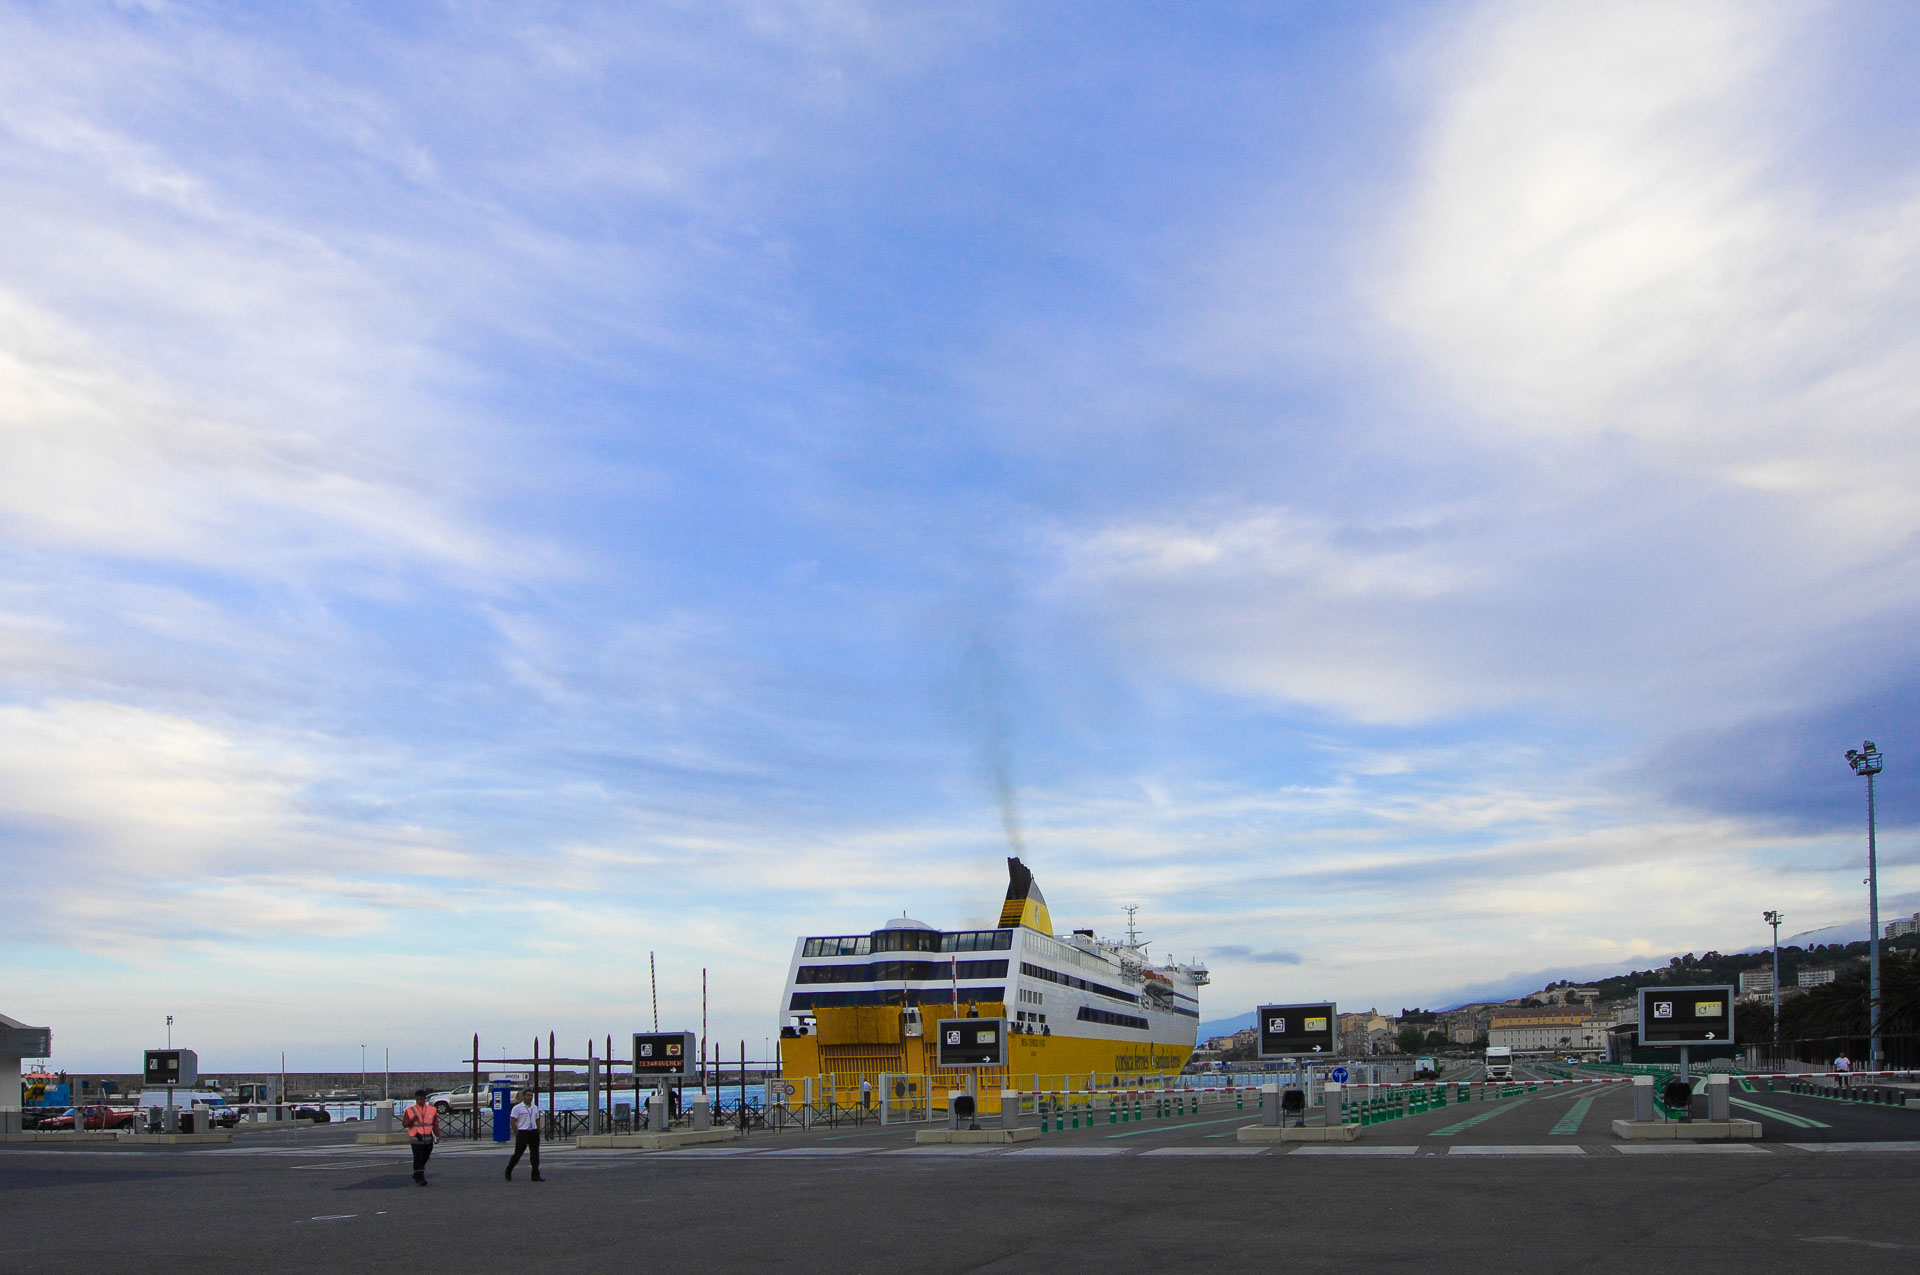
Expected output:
(98, 1117)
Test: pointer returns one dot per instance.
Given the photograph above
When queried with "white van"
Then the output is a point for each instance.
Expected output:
(1499, 1062)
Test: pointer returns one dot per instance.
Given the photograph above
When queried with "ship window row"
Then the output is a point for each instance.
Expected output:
(937, 941)
(842, 945)
(1190, 1013)
(900, 971)
(1067, 980)
(802, 1001)
(1088, 1014)
(1053, 949)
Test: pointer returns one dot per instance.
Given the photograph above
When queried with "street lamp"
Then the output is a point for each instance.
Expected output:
(169, 1031)
(1773, 918)
(1865, 760)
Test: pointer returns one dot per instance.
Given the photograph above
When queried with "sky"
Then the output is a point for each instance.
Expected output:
(491, 496)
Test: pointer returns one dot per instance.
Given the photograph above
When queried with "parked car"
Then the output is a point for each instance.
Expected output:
(97, 1117)
(316, 1114)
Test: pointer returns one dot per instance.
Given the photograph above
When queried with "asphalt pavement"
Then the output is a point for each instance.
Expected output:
(1535, 1181)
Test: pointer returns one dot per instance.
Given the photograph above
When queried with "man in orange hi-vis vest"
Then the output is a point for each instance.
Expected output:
(422, 1123)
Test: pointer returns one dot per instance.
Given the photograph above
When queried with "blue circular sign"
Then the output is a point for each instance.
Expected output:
(1338, 1075)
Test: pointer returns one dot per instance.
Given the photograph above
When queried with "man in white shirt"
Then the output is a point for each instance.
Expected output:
(526, 1134)
(1843, 1065)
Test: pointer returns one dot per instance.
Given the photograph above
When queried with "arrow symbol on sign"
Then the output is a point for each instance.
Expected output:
(1709, 1035)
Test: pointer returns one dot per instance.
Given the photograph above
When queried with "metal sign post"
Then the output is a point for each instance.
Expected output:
(1300, 1034)
(1681, 1017)
(968, 1044)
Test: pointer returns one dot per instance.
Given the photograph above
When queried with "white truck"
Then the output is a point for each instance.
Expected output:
(1499, 1062)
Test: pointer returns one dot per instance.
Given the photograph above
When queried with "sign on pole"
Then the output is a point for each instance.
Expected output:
(661, 1053)
(1287, 1031)
(1672, 1016)
(972, 1042)
(171, 1067)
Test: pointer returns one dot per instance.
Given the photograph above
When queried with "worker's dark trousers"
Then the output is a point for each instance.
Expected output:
(422, 1148)
(526, 1142)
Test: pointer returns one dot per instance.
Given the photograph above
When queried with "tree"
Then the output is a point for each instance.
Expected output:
(1409, 1039)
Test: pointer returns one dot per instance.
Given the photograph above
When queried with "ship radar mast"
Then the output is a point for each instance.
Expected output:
(1134, 941)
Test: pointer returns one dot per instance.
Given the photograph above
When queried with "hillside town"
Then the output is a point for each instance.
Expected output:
(1586, 1019)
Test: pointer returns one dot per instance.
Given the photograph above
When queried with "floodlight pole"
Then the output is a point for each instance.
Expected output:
(1773, 918)
(1865, 760)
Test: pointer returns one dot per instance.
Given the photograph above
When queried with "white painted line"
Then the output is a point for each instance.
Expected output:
(813, 1151)
(1354, 1151)
(1559, 1148)
(945, 1150)
(1071, 1151)
(1690, 1148)
(1229, 1151)
(1826, 1147)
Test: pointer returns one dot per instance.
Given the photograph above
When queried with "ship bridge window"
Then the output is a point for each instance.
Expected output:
(935, 941)
(900, 971)
(892, 996)
(838, 945)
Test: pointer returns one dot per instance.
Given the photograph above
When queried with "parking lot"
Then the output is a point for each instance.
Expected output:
(1524, 1182)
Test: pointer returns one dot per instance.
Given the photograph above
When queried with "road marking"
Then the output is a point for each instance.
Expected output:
(1570, 1123)
(1354, 1151)
(1072, 1151)
(332, 1217)
(1794, 1119)
(1176, 1128)
(1558, 1148)
(1471, 1121)
(938, 1150)
(1690, 1148)
(813, 1151)
(1206, 1151)
(1855, 1146)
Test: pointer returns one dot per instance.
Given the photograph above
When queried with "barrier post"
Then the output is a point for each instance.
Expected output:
(1643, 1097)
(1010, 1110)
(1335, 1100)
(1719, 1098)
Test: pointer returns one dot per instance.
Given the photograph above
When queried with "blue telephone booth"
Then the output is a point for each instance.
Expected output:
(502, 1110)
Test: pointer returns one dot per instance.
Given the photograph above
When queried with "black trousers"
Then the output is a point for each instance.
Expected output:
(422, 1148)
(526, 1142)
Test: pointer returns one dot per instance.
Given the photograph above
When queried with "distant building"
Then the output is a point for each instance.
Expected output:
(1554, 1027)
(1816, 978)
(1756, 982)
(1900, 929)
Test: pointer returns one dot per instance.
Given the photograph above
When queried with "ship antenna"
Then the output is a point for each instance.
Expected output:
(1133, 933)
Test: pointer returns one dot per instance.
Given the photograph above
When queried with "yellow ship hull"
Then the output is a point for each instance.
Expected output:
(867, 1043)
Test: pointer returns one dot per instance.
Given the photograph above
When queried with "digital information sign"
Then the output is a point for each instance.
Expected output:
(171, 1067)
(1287, 1031)
(662, 1053)
(24, 1042)
(1686, 1016)
(973, 1042)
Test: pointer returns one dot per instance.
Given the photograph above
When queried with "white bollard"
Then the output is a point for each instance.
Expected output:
(1719, 1098)
(1643, 1097)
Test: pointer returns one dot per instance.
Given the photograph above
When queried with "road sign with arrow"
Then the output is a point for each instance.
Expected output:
(1686, 1016)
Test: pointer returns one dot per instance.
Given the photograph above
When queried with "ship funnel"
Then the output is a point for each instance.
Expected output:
(1024, 905)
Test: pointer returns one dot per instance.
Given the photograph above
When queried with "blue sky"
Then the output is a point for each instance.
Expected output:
(1405, 494)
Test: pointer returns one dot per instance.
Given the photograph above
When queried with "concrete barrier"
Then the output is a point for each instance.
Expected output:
(1685, 1131)
(1298, 1133)
(928, 1136)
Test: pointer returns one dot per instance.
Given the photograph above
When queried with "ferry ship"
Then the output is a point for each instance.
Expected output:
(1082, 1012)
